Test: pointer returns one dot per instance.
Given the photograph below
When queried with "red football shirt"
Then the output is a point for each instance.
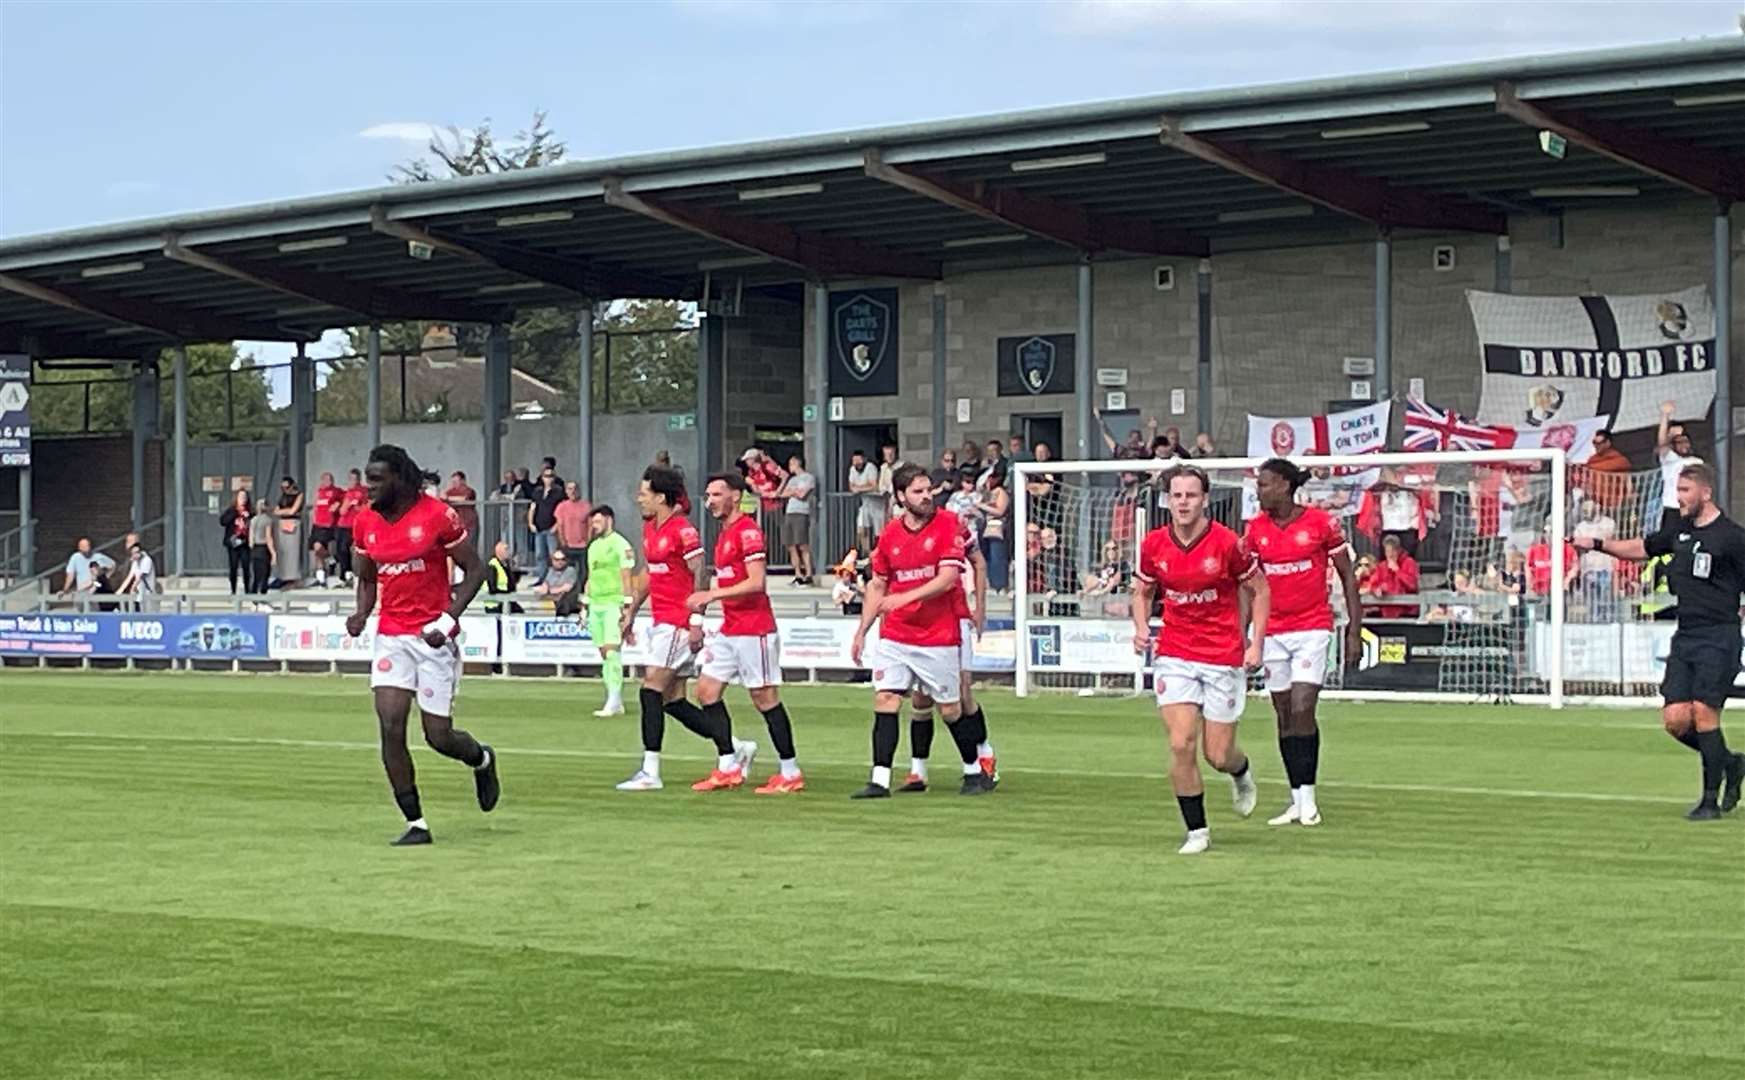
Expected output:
(667, 548)
(1294, 558)
(1198, 582)
(350, 502)
(908, 559)
(741, 542)
(326, 509)
(411, 557)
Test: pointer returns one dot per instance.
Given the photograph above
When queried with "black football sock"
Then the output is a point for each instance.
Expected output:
(1714, 750)
(781, 731)
(694, 720)
(1311, 764)
(1689, 737)
(964, 737)
(720, 726)
(407, 800)
(921, 736)
(653, 720)
(1290, 751)
(978, 726)
(456, 743)
(884, 739)
(1193, 809)
(1239, 773)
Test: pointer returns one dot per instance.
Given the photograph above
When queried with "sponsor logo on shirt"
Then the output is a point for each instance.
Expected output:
(395, 569)
(1204, 596)
(920, 573)
(1283, 568)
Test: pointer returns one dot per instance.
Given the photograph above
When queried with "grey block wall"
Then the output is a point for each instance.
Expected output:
(1283, 320)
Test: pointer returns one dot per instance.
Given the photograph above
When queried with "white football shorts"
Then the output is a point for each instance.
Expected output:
(408, 662)
(669, 647)
(1219, 691)
(936, 669)
(1296, 656)
(751, 660)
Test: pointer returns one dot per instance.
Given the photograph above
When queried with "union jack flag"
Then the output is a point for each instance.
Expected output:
(1430, 428)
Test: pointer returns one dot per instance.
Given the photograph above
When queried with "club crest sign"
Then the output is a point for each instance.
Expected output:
(1035, 364)
(863, 343)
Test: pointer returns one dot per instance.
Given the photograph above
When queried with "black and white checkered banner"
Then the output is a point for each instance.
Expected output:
(1561, 358)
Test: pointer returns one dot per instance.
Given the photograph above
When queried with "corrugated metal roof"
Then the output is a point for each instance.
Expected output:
(1451, 142)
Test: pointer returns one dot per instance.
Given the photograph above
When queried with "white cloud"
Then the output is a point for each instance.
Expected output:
(413, 131)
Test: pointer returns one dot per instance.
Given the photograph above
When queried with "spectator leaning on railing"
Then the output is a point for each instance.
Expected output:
(460, 495)
(800, 489)
(542, 521)
(869, 514)
(87, 570)
(141, 582)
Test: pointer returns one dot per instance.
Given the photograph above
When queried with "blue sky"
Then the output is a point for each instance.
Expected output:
(114, 111)
(111, 111)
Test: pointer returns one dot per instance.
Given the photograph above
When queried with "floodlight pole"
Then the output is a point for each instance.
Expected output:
(179, 475)
(585, 400)
(373, 373)
(1723, 355)
(1384, 315)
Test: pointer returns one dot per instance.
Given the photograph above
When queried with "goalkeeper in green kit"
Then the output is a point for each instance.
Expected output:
(610, 564)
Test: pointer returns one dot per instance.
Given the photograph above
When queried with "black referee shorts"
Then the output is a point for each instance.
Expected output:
(1702, 666)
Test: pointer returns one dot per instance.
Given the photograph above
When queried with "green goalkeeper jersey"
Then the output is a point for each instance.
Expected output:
(608, 557)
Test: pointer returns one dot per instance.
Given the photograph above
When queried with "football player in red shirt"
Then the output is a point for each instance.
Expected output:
(673, 551)
(971, 623)
(1295, 544)
(916, 565)
(746, 649)
(1205, 650)
(353, 499)
(323, 521)
(403, 543)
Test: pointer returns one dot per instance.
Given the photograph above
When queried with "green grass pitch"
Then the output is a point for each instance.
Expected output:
(196, 883)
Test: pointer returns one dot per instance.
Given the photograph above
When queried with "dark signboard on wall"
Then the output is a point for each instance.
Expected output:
(14, 410)
(863, 343)
(1037, 364)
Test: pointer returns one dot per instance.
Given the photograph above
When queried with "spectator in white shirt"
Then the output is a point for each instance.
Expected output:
(1672, 446)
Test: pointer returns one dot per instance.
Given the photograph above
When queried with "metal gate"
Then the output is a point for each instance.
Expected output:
(215, 471)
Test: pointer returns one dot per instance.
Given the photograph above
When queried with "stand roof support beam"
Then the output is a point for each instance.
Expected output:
(1359, 196)
(819, 255)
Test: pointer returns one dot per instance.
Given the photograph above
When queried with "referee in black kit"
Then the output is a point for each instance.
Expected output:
(1707, 574)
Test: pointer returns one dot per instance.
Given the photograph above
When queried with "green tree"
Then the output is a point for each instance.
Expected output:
(227, 397)
(471, 153)
(650, 371)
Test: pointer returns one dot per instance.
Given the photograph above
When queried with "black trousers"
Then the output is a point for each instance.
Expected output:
(261, 569)
(239, 568)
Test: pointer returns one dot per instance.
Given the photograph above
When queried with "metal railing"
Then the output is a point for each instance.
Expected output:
(43, 584)
(12, 550)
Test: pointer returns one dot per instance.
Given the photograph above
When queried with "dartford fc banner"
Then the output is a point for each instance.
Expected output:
(1555, 359)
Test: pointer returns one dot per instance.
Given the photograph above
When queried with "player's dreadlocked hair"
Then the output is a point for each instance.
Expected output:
(400, 463)
(1294, 475)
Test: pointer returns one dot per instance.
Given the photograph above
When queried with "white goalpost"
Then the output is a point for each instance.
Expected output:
(1486, 533)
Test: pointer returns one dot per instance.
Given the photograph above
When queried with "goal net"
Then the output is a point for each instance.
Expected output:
(1462, 560)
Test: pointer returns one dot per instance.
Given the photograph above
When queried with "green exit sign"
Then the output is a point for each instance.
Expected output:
(809, 414)
(681, 421)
